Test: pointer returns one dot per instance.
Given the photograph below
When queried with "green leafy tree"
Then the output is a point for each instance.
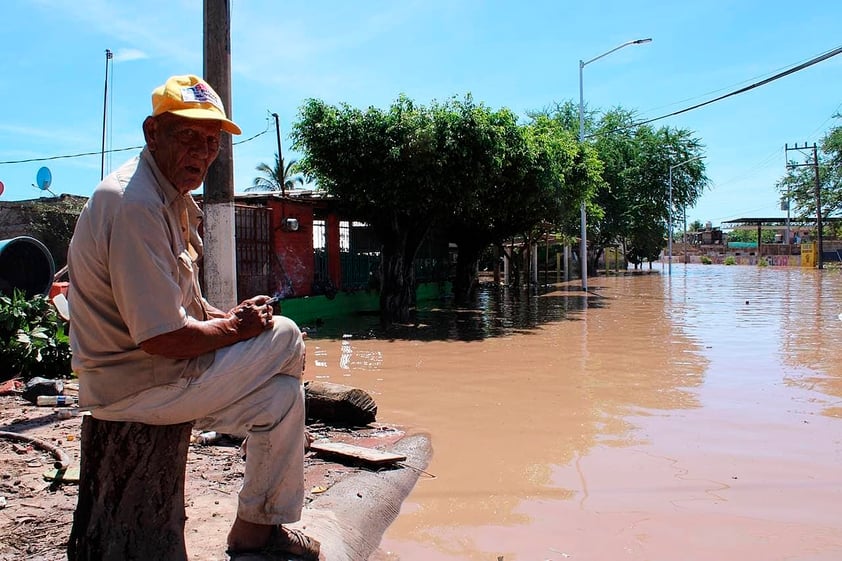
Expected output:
(484, 165)
(631, 204)
(387, 167)
(749, 235)
(636, 197)
(565, 116)
(644, 242)
(515, 181)
(278, 177)
(647, 185)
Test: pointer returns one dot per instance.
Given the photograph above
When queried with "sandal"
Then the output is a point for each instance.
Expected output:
(284, 540)
(294, 542)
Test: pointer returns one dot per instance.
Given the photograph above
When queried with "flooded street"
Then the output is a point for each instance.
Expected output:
(696, 416)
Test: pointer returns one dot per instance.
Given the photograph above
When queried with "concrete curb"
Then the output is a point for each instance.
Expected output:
(350, 518)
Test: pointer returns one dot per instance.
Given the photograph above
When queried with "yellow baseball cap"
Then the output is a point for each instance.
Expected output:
(190, 96)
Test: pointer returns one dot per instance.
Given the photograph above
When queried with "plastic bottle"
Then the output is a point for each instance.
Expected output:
(208, 437)
(55, 400)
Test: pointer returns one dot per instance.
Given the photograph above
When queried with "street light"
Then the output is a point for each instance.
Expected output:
(583, 244)
(669, 267)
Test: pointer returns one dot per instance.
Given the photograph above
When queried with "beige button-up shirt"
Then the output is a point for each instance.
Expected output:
(132, 276)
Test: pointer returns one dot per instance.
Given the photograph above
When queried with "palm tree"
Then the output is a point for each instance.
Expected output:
(278, 178)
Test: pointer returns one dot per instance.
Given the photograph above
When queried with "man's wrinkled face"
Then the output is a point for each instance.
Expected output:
(183, 148)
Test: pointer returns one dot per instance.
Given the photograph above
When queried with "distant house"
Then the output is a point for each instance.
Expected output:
(709, 236)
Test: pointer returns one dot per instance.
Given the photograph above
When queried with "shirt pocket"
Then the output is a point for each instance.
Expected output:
(185, 280)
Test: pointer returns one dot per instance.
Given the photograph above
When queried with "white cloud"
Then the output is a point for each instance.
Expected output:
(125, 55)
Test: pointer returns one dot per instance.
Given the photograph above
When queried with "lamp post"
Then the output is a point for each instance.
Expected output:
(108, 57)
(669, 267)
(583, 244)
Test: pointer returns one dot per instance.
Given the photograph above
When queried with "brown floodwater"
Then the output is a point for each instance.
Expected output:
(696, 416)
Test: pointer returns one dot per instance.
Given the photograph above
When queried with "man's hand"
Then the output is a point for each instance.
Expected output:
(244, 321)
(253, 316)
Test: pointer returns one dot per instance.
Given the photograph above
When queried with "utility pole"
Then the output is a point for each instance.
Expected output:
(220, 265)
(280, 153)
(818, 195)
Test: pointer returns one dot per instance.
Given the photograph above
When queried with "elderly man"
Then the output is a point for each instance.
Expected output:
(148, 348)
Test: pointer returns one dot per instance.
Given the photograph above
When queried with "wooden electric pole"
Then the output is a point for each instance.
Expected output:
(220, 268)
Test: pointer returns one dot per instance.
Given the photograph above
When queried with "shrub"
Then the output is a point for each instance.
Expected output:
(705, 260)
(33, 338)
(730, 260)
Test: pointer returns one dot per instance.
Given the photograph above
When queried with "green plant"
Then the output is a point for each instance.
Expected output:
(705, 260)
(730, 260)
(762, 263)
(33, 338)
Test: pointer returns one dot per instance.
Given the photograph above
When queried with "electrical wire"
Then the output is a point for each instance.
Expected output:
(815, 60)
(99, 152)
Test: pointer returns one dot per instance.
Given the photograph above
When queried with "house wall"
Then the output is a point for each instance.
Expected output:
(294, 250)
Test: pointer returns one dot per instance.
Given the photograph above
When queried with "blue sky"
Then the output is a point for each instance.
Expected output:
(518, 54)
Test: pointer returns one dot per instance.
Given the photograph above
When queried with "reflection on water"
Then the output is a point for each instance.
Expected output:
(599, 431)
(495, 312)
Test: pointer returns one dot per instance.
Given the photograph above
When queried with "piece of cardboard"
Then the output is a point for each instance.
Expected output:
(357, 453)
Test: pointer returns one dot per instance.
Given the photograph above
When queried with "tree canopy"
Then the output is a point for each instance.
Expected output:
(388, 167)
(459, 166)
(631, 205)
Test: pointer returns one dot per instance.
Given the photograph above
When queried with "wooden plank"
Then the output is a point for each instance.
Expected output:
(69, 475)
(357, 453)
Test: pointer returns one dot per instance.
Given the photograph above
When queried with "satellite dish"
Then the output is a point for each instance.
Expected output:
(44, 178)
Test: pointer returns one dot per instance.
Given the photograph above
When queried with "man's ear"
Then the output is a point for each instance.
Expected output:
(150, 130)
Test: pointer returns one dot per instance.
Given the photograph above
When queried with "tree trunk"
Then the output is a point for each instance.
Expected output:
(597, 254)
(465, 277)
(397, 289)
(397, 271)
(131, 493)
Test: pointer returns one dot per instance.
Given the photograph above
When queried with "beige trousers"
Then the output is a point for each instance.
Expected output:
(253, 388)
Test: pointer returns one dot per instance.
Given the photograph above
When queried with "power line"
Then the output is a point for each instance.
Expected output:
(815, 60)
(777, 76)
(99, 152)
(717, 90)
(79, 155)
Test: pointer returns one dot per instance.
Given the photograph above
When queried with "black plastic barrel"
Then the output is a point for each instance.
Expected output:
(25, 264)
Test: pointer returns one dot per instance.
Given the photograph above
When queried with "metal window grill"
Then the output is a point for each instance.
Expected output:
(253, 233)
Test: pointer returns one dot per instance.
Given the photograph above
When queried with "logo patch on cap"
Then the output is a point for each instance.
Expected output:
(199, 93)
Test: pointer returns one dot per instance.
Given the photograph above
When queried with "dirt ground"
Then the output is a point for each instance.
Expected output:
(36, 513)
